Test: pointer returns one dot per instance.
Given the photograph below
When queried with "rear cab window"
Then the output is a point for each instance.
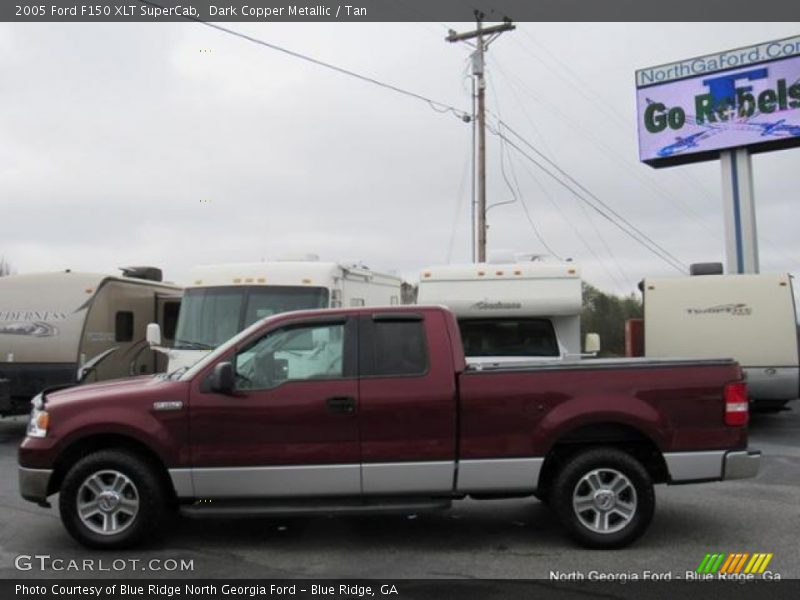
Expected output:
(393, 345)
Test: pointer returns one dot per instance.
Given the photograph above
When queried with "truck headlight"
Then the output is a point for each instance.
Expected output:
(39, 420)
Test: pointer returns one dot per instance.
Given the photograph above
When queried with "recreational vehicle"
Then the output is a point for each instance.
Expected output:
(509, 312)
(750, 318)
(63, 328)
(222, 300)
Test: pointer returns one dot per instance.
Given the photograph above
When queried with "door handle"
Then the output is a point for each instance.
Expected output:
(341, 405)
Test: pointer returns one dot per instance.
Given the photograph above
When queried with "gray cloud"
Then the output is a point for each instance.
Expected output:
(175, 144)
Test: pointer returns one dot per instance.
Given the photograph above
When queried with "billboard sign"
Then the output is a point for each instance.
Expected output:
(690, 110)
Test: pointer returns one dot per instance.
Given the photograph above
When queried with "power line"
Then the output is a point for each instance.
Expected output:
(442, 107)
(516, 195)
(567, 220)
(610, 153)
(593, 196)
(631, 231)
(571, 225)
(459, 203)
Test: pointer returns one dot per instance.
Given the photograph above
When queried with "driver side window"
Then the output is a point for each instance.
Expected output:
(302, 352)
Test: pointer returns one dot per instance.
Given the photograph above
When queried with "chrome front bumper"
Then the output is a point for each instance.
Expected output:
(33, 484)
(741, 464)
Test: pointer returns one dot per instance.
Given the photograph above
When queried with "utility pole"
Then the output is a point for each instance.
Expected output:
(484, 36)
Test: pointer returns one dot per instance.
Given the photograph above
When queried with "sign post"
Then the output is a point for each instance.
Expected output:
(741, 240)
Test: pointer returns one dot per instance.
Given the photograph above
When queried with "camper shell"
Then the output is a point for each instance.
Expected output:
(62, 328)
(509, 311)
(222, 300)
(751, 318)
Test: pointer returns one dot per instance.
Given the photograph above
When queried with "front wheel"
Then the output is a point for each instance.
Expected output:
(111, 499)
(604, 498)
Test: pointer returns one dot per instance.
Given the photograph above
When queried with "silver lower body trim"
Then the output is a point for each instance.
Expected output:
(712, 465)
(277, 482)
(694, 466)
(408, 478)
(499, 475)
(33, 483)
(182, 482)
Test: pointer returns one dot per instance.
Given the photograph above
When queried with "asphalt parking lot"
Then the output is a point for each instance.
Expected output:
(489, 539)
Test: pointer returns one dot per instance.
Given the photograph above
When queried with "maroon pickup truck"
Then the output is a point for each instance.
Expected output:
(375, 409)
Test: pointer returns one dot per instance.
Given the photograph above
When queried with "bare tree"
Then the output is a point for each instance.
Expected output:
(5, 267)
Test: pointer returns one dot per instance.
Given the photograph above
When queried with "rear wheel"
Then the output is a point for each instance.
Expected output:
(604, 498)
(111, 499)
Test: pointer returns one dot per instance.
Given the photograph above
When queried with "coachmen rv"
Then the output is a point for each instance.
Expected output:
(509, 312)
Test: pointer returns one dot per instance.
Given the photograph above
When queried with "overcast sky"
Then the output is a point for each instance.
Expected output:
(175, 145)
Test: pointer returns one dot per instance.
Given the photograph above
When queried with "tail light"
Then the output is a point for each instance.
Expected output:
(737, 408)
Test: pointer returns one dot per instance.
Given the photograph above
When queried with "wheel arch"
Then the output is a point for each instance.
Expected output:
(92, 443)
(612, 434)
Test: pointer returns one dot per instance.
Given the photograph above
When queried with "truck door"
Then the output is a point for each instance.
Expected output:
(290, 429)
(407, 404)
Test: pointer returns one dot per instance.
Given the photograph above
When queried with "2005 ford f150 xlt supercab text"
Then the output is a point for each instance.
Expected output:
(376, 409)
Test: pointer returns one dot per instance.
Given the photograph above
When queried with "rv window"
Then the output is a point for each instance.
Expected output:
(265, 301)
(356, 302)
(170, 320)
(208, 317)
(398, 348)
(508, 337)
(123, 326)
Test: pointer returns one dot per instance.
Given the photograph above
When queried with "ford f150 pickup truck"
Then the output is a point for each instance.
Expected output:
(376, 409)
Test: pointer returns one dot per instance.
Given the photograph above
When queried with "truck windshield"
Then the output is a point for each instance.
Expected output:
(210, 316)
(508, 337)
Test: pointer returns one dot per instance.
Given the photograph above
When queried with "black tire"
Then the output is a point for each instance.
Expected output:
(543, 496)
(602, 467)
(139, 485)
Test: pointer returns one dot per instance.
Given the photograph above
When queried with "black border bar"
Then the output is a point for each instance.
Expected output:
(448, 11)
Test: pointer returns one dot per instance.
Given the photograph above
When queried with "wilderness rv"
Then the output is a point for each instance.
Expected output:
(750, 318)
(509, 312)
(222, 300)
(62, 328)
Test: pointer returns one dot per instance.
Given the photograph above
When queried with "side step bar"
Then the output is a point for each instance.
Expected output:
(254, 508)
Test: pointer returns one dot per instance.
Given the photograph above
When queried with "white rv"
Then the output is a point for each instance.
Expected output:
(750, 318)
(62, 328)
(222, 300)
(509, 312)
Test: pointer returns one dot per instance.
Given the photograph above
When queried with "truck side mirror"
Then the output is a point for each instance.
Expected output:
(223, 380)
(153, 334)
(592, 343)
